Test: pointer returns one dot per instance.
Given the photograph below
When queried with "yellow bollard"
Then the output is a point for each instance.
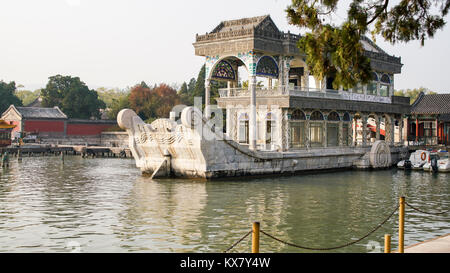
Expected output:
(387, 243)
(401, 226)
(255, 238)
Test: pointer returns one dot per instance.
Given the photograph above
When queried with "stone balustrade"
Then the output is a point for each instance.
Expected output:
(302, 92)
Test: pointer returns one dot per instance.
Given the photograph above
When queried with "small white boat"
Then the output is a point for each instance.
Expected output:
(416, 160)
(444, 163)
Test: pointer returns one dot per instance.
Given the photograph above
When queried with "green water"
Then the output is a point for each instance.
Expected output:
(105, 205)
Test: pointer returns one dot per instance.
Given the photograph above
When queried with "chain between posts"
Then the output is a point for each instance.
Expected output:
(238, 241)
(431, 213)
(341, 246)
(336, 247)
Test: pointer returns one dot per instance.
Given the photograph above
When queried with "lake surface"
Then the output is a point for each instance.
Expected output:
(105, 205)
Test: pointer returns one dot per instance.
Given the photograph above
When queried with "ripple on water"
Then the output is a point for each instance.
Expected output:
(105, 205)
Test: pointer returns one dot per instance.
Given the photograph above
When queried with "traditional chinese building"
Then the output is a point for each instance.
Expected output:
(5, 133)
(52, 123)
(429, 122)
(294, 110)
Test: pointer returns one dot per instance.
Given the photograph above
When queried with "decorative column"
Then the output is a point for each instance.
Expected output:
(207, 100)
(354, 131)
(364, 129)
(350, 133)
(284, 135)
(307, 130)
(306, 78)
(437, 130)
(392, 129)
(341, 133)
(228, 122)
(229, 88)
(378, 124)
(417, 129)
(252, 121)
(325, 131)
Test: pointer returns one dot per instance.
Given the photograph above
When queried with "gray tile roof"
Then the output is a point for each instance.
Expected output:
(431, 104)
(240, 24)
(41, 112)
(444, 117)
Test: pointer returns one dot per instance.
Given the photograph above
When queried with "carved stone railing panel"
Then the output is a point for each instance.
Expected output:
(303, 92)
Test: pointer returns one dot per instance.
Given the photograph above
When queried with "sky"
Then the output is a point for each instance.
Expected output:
(119, 43)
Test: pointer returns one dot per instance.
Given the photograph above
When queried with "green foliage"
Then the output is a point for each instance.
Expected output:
(117, 104)
(72, 96)
(27, 96)
(258, 84)
(199, 89)
(8, 96)
(335, 51)
(413, 93)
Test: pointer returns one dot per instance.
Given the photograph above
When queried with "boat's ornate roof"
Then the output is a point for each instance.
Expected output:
(260, 34)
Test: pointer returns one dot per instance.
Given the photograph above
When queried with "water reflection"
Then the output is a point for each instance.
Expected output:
(105, 205)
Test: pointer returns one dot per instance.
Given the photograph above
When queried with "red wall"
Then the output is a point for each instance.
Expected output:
(78, 129)
(48, 126)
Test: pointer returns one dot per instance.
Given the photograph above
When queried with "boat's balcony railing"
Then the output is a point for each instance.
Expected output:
(301, 92)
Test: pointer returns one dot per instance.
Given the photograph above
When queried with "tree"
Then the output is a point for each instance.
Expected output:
(191, 85)
(8, 96)
(153, 103)
(166, 98)
(140, 101)
(336, 51)
(72, 96)
(27, 96)
(117, 104)
(199, 90)
(413, 93)
(184, 94)
(183, 89)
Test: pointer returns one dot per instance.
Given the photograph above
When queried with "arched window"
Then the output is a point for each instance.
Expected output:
(224, 71)
(333, 116)
(316, 115)
(316, 129)
(346, 117)
(297, 129)
(384, 85)
(267, 67)
(333, 129)
(298, 114)
(372, 86)
(385, 79)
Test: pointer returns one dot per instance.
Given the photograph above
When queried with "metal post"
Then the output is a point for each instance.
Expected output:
(387, 243)
(255, 238)
(401, 226)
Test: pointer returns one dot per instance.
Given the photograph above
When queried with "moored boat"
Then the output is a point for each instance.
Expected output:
(444, 163)
(416, 161)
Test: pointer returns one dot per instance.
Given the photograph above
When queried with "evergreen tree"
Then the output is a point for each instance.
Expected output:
(199, 90)
(336, 51)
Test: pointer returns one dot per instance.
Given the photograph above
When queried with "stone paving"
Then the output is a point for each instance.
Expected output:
(436, 245)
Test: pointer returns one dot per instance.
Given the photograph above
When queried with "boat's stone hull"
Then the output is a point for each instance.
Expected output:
(192, 150)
